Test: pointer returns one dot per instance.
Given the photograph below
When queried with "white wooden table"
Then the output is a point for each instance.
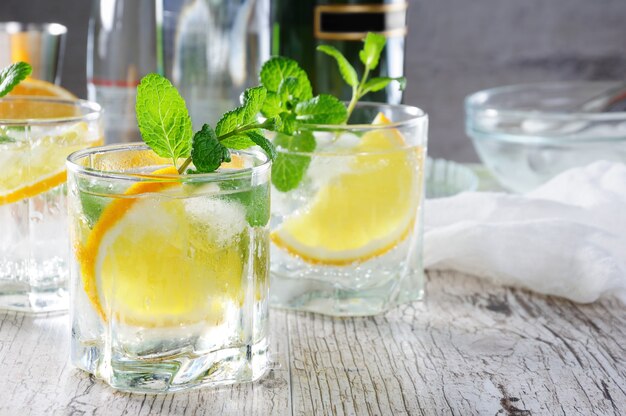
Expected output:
(470, 348)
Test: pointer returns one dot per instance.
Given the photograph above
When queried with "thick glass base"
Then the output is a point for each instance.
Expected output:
(329, 298)
(24, 298)
(180, 371)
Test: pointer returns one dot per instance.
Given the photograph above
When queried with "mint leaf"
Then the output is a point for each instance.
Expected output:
(288, 91)
(207, 153)
(163, 118)
(253, 99)
(289, 167)
(378, 83)
(6, 139)
(323, 109)
(238, 142)
(277, 69)
(13, 75)
(287, 122)
(370, 54)
(248, 139)
(261, 141)
(347, 71)
(255, 200)
(272, 105)
(93, 205)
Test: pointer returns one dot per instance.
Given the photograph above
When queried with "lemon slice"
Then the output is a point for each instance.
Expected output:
(40, 88)
(36, 165)
(363, 212)
(159, 262)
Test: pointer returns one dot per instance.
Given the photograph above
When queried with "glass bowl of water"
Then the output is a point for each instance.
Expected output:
(526, 134)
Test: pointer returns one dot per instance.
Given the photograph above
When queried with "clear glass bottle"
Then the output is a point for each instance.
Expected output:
(122, 48)
(213, 50)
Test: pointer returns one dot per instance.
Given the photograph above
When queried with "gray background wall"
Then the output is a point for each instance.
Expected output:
(454, 47)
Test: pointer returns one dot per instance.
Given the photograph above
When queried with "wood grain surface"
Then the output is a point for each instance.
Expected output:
(471, 348)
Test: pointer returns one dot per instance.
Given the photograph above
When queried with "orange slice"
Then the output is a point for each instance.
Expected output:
(363, 212)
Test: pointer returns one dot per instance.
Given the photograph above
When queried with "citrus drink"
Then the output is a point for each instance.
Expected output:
(169, 276)
(36, 136)
(347, 239)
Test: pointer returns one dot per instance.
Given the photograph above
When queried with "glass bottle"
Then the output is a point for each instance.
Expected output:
(122, 48)
(299, 27)
(213, 50)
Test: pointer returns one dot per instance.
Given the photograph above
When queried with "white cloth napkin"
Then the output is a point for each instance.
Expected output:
(566, 238)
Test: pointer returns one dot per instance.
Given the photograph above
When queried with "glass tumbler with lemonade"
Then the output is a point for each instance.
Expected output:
(348, 193)
(37, 133)
(170, 247)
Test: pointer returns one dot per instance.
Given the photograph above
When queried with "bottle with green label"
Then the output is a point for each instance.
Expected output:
(299, 27)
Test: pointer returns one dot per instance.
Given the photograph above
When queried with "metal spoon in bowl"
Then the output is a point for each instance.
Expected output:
(611, 100)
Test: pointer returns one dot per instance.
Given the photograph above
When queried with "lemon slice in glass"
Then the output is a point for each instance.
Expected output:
(159, 262)
(363, 212)
(31, 167)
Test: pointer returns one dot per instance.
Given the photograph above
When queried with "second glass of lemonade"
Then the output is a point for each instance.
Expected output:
(347, 240)
(36, 136)
(169, 272)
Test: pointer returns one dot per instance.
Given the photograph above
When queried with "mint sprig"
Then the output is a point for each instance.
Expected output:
(165, 126)
(289, 100)
(13, 75)
(373, 45)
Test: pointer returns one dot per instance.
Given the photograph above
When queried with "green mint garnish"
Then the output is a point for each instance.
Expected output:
(165, 126)
(285, 98)
(289, 167)
(13, 75)
(373, 46)
(289, 99)
(323, 109)
(254, 200)
(207, 152)
(163, 118)
(93, 206)
(285, 82)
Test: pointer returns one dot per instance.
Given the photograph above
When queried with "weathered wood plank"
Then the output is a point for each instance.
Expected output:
(37, 379)
(470, 348)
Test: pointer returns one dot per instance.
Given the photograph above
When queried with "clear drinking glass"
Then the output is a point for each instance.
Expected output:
(347, 240)
(36, 135)
(40, 44)
(169, 277)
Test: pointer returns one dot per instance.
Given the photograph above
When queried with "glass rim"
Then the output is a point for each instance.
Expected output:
(242, 173)
(478, 101)
(93, 113)
(417, 115)
(50, 28)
